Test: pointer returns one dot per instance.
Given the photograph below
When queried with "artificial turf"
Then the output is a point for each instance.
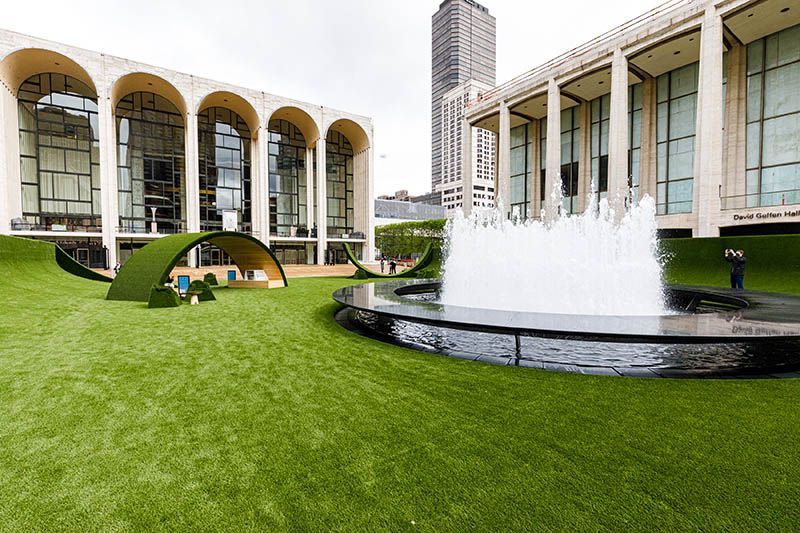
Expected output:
(257, 411)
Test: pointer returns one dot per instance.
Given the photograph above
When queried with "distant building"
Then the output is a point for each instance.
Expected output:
(394, 212)
(451, 188)
(431, 198)
(463, 48)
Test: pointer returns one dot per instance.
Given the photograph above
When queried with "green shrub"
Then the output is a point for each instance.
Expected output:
(210, 278)
(360, 274)
(429, 272)
(161, 296)
(206, 294)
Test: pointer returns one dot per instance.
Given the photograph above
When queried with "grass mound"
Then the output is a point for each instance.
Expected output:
(210, 278)
(161, 296)
(206, 294)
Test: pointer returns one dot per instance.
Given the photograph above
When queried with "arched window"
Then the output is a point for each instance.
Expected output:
(339, 159)
(151, 164)
(224, 160)
(59, 149)
(287, 177)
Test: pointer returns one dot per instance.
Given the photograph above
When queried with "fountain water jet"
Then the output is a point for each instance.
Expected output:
(588, 264)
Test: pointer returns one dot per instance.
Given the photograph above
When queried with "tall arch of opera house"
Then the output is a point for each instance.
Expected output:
(103, 155)
(694, 103)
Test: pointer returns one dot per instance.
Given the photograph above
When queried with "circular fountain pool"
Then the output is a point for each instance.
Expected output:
(707, 332)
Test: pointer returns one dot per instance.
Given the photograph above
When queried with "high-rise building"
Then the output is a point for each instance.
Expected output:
(454, 103)
(463, 42)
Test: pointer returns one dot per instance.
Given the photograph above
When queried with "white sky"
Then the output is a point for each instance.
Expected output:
(371, 57)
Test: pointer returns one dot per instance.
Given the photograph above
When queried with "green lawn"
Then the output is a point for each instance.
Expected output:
(257, 411)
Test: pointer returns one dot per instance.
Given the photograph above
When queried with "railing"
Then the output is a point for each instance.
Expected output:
(761, 199)
(354, 235)
(130, 228)
(21, 225)
(582, 49)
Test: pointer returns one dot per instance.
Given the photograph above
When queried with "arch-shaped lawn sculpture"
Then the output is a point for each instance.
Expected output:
(422, 262)
(152, 264)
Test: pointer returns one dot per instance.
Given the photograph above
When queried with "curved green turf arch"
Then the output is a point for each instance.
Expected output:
(424, 260)
(152, 264)
(28, 250)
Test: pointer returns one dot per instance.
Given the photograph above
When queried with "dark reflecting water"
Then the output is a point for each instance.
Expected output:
(779, 355)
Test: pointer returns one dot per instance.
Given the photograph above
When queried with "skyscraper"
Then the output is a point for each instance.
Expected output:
(463, 42)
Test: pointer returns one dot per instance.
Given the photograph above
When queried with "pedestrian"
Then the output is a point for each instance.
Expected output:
(737, 261)
(393, 266)
(383, 263)
(116, 269)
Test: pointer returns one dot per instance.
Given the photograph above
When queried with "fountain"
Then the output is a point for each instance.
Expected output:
(585, 264)
(580, 293)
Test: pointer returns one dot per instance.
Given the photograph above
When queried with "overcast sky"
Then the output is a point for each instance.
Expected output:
(371, 57)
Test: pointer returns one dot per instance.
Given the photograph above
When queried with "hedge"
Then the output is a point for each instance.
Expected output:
(152, 264)
(206, 294)
(161, 296)
(210, 278)
(773, 261)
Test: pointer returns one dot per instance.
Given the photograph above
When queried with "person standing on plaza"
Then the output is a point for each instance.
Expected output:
(737, 261)
(383, 263)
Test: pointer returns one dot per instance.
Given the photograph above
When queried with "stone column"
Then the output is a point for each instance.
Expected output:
(584, 156)
(322, 202)
(255, 185)
(502, 192)
(10, 179)
(192, 189)
(708, 146)
(466, 167)
(263, 188)
(109, 197)
(536, 170)
(647, 166)
(735, 149)
(553, 157)
(618, 134)
(309, 221)
(6, 98)
(369, 186)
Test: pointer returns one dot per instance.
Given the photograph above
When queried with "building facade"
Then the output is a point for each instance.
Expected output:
(103, 154)
(397, 211)
(454, 103)
(463, 48)
(695, 103)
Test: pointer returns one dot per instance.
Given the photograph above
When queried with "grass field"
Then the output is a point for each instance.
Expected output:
(257, 411)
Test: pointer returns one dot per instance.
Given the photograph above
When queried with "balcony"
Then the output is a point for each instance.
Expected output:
(761, 199)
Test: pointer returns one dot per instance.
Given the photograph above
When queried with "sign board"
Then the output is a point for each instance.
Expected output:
(230, 220)
(183, 284)
(58, 227)
(763, 216)
(255, 275)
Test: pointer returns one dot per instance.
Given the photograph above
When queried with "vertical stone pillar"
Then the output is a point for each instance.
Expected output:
(553, 161)
(262, 176)
(309, 221)
(584, 156)
(647, 166)
(502, 192)
(10, 178)
(5, 193)
(108, 174)
(192, 189)
(536, 170)
(467, 174)
(192, 175)
(708, 146)
(322, 202)
(735, 149)
(369, 186)
(255, 185)
(618, 134)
